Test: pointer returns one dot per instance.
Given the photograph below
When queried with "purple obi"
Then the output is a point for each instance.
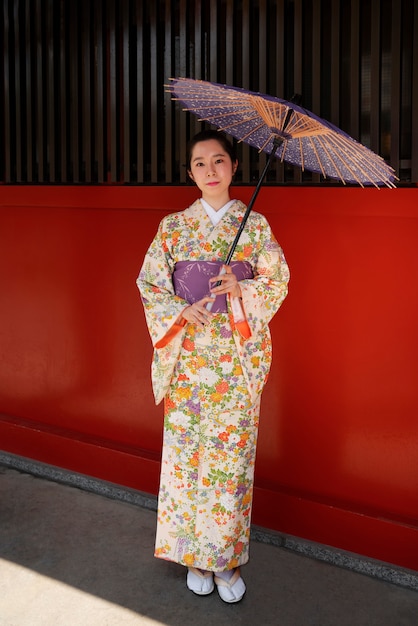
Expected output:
(191, 280)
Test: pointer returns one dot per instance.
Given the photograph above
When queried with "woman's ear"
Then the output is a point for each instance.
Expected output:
(190, 175)
(234, 167)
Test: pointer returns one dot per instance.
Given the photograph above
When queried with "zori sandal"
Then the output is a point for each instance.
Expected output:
(231, 590)
(200, 582)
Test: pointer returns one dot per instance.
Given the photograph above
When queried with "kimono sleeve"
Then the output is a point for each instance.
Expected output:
(263, 294)
(162, 307)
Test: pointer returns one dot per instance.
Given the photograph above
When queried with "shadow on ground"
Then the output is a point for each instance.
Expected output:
(70, 557)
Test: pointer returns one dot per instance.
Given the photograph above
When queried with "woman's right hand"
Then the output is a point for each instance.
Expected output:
(197, 313)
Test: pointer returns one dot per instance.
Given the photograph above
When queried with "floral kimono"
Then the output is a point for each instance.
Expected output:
(211, 380)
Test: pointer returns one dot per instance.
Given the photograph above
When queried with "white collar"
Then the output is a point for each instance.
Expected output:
(216, 216)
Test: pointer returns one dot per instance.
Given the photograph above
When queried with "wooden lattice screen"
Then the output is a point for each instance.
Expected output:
(82, 92)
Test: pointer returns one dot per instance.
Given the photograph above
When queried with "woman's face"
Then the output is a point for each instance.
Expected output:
(212, 170)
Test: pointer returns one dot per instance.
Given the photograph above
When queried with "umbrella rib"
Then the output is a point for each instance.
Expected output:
(302, 126)
(265, 110)
(298, 122)
(224, 115)
(201, 107)
(252, 131)
(273, 114)
(285, 142)
(312, 143)
(302, 157)
(362, 161)
(238, 123)
(265, 143)
(365, 157)
(277, 117)
(341, 177)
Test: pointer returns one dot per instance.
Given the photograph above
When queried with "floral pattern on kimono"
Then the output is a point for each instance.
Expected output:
(190, 235)
(211, 380)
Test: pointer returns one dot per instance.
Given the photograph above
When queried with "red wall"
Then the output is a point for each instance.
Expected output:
(338, 447)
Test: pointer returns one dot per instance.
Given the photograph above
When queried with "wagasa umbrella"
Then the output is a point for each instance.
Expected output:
(284, 130)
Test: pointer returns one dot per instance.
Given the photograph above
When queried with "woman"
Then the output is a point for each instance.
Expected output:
(212, 355)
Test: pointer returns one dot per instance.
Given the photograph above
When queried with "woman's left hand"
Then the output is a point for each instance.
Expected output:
(229, 283)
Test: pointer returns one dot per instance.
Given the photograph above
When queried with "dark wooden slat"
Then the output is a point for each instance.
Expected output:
(355, 70)
(85, 71)
(28, 92)
(316, 58)
(280, 48)
(62, 95)
(198, 39)
(375, 77)
(18, 102)
(182, 13)
(395, 86)
(125, 92)
(139, 92)
(316, 66)
(280, 65)
(335, 63)
(262, 48)
(195, 125)
(229, 43)
(73, 63)
(153, 122)
(298, 64)
(245, 60)
(98, 94)
(50, 92)
(39, 101)
(168, 119)
(245, 36)
(262, 65)
(112, 144)
(298, 47)
(8, 95)
(213, 37)
(414, 104)
(183, 117)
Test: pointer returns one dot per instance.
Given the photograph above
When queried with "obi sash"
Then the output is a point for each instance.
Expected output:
(191, 280)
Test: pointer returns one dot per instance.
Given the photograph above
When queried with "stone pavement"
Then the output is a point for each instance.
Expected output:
(70, 557)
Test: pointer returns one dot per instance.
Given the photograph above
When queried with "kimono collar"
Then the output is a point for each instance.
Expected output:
(216, 216)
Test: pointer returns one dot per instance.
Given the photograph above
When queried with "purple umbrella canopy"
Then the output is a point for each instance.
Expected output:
(285, 129)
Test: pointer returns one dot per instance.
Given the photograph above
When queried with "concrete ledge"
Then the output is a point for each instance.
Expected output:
(346, 560)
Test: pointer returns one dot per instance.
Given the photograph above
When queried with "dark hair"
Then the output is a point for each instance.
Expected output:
(205, 135)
